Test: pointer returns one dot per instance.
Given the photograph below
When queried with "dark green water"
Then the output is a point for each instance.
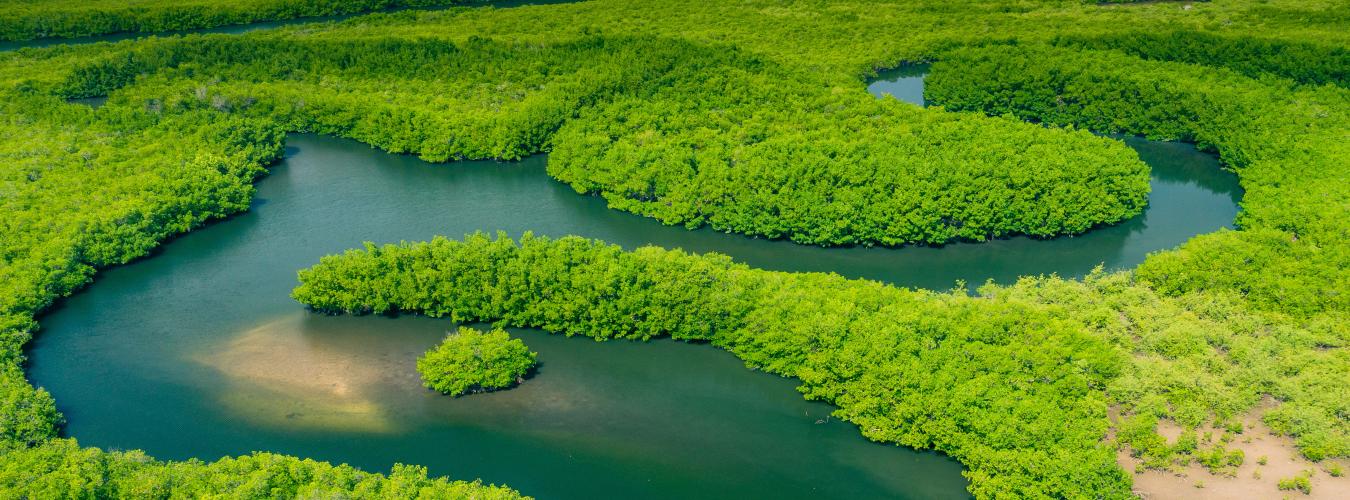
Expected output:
(199, 352)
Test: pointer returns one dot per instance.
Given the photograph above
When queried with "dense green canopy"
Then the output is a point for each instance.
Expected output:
(751, 116)
(922, 369)
(27, 19)
(470, 360)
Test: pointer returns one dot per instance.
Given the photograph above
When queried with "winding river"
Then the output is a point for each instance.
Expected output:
(200, 352)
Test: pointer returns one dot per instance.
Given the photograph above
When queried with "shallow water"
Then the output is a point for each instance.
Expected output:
(904, 83)
(199, 352)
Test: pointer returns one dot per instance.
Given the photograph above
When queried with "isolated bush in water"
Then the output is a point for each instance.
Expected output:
(470, 360)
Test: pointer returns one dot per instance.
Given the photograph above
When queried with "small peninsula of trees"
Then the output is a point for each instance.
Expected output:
(470, 360)
(750, 117)
(745, 145)
(923, 369)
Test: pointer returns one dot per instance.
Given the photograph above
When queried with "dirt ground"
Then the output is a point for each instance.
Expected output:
(1252, 481)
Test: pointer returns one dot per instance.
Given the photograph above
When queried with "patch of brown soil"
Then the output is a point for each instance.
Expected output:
(1252, 480)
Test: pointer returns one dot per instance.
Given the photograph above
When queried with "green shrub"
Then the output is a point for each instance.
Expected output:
(192, 120)
(59, 468)
(1306, 62)
(1287, 262)
(470, 360)
(1300, 482)
(1026, 422)
(68, 18)
(28, 416)
(745, 146)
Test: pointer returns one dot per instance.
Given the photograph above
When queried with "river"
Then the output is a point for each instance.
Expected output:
(199, 352)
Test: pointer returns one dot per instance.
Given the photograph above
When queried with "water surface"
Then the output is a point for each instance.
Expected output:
(902, 82)
(199, 351)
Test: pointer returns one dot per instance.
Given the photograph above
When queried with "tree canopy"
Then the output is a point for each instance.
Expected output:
(748, 116)
(470, 360)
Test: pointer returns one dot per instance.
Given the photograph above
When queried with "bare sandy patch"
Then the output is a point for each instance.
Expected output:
(1252, 480)
(280, 378)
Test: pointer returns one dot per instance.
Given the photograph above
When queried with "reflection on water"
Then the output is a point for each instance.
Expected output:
(904, 83)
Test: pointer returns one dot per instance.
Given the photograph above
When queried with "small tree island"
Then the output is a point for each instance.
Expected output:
(473, 361)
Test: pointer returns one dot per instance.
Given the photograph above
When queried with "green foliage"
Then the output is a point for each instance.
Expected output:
(1203, 356)
(748, 116)
(919, 369)
(1283, 141)
(28, 416)
(745, 146)
(1285, 144)
(755, 152)
(470, 360)
(1307, 62)
(498, 101)
(61, 469)
(79, 195)
(1300, 482)
(85, 189)
(26, 19)
(914, 368)
(1288, 263)
(1220, 460)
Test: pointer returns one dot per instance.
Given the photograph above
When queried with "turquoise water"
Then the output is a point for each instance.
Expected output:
(198, 351)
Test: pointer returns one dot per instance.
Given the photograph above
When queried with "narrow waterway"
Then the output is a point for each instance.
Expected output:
(200, 352)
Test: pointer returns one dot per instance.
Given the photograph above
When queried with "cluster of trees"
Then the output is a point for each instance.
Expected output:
(668, 114)
(27, 20)
(742, 145)
(470, 360)
(921, 369)
(79, 193)
(1289, 261)
(1286, 143)
(82, 193)
(747, 148)
(60, 468)
(928, 370)
(83, 189)
(493, 99)
(1309, 62)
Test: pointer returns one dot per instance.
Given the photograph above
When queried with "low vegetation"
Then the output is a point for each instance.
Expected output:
(1288, 261)
(470, 361)
(1299, 482)
(910, 367)
(756, 123)
(26, 19)
(745, 146)
(913, 368)
(61, 469)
